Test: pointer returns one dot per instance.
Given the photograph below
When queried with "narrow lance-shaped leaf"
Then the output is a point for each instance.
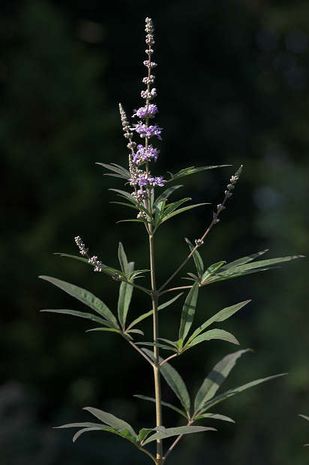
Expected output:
(215, 378)
(219, 334)
(85, 297)
(87, 316)
(220, 316)
(150, 312)
(111, 420)
(105, 269)
(175, 382)
(180, 430)
(125, 296)
(199, 264)
(214, 416)
(188, 311)
(166, 404)
(192, 170)
(232, 392)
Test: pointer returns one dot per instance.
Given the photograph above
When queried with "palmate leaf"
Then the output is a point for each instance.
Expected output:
(188, 311)
(192, 170)
(222, 315)
(164, 433)
(85, 297)
(215, 378)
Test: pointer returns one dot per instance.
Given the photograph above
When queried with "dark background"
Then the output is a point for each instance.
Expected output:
(233, 81)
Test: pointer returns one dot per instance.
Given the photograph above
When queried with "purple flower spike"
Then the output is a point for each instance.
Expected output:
(148, 131)
(148, 111)
(144, 155)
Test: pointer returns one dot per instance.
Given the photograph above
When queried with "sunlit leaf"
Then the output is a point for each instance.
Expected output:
(214, 416)
(85, 297)
(212, 334)
(164, 433)
(188, 311)
(111, 420)
(192, 170)
(215, 378)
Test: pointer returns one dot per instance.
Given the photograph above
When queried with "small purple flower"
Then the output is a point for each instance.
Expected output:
(158, 181)
(143, 179)
(148, 131)
(144, 154)
(148, 111)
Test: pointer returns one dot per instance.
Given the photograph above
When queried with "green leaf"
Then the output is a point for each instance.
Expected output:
(165, 195)
(144, 433)
(166, 404)
(192, 170)
(106, 269)
(304, 416)
(188, 311)
(124, 300)
(111, 420)
(212, 334)
(199, 264)
(123, 261)
(164, 433)
(214, 416)
(248, 268)
(211, 271)
(111, 330)
(222, 315)
(182, 210)
(87, 430)
(85, 297)
(232, 392)
(244, 260)
(150, 312)
(87, 316)
(177, 384)
(215, 378)
(152, 344)
(119, 170)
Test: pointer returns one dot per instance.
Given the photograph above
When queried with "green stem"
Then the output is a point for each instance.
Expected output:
(156, 367)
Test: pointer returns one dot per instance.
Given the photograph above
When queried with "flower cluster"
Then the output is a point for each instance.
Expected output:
(142, 154)
(97, 264)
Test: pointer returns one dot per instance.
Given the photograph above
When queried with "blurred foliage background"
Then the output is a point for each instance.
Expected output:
(233, 82)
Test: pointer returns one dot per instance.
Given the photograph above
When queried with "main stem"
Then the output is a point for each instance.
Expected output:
(156, 368)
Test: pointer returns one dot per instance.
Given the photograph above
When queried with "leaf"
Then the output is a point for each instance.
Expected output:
(85, 297)
(111, 420)
(166, 404)
(152, 344)
(304, 416)
(164, 433)
(244, 260)
(211, 335)
(212, 270)
(215, 416)
(182, 210)
(237, 390)
(124, 300)
(222, 315)
(135, 331)
(105, 269)
(177, 384)
(87, 316)
(144, 433)
(248, 268)
(150, 312)
(87, 430)
(123, 261)
(215, 378)
(119, 170)
(192, 170)
(165, 195)
(199, 264)
(112, 330)
(188, 311)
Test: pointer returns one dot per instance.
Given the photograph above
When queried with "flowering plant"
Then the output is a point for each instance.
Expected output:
(149, 196)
